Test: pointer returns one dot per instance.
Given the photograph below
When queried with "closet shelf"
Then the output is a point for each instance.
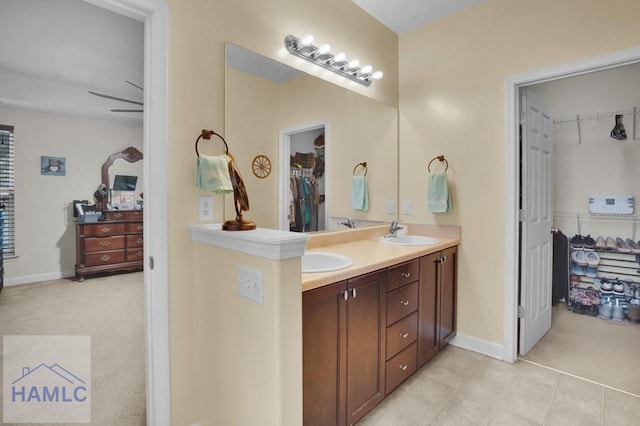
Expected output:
(586, 216)
(595, 115)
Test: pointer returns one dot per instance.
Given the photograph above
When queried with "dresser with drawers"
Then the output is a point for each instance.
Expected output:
(114, 244)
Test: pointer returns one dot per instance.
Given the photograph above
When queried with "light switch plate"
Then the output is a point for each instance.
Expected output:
(406, 207)
(249, 283)
(391, 207)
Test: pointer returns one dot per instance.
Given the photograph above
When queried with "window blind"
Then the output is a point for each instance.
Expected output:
(7, 188)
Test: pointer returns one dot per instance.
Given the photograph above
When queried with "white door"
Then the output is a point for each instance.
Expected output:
(536, 222)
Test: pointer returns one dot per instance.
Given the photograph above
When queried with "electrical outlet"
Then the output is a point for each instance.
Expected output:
(391, 207)
(406, 207)
(205, 208)
(249, 283)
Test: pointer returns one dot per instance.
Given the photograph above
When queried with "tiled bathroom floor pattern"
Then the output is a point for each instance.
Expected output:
(460, 387)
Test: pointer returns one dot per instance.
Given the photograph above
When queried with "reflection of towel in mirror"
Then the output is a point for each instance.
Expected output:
(359, 193)
(438, 196)
(212, 174)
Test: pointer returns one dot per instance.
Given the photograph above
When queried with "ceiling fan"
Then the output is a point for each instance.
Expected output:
(115, 98)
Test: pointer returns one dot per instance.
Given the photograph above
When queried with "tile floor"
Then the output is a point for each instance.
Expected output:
(460, 387)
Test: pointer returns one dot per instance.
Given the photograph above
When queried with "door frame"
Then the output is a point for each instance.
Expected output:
(155, 15)
(512, 177)
(283, 173)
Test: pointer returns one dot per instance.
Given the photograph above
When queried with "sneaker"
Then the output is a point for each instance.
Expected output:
(635, 248)
(588, 243)
(618, 287)
(622, 246)
(610, 244)
(600, 244)
(579, 257)
(577, 242)
(605, 285)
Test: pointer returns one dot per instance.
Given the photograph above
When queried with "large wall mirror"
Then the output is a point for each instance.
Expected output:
(312, 128)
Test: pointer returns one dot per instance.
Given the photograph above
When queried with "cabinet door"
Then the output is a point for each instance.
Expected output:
(324, 355)
(428, 308)
(448, 288)
(366, 336)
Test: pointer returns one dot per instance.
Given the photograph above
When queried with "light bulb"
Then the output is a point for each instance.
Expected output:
(377, 75)
(306, 39)
(339, 57)
(325, 48)
(354, 63)
(366, 69)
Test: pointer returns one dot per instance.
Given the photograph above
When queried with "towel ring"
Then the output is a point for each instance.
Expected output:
(363, 165)
(206, 134)
(441, 159)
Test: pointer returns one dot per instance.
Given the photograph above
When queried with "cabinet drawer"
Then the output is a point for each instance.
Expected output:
(402, 334)
(132, 228)
(123, 215)
(103, 229)
(134, 254)
(402, 302)
(104, 257)
(400, 367)
(102, 244)
(134, 241)
(402, 274)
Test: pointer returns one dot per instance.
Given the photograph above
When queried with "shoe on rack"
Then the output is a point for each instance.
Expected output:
(588, 243)
(579, 257)
(600, 244)
(621, 246)
(635, 248)
(618, 287)
(605, 285)
(577, 242)
(610, 244)
(591, 272)
(592, 258)
(578, 270)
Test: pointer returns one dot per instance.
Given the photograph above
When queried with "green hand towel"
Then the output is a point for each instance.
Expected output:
(359, 193)
(438, 196)
(212, 174)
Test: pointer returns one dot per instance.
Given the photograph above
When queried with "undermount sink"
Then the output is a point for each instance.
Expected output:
(410, 240)
(324, 262)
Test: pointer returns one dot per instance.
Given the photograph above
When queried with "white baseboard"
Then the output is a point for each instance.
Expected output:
(481, 346)
(28, 279)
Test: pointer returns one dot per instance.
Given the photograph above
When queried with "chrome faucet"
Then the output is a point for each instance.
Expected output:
(393, 229)
(350, 223)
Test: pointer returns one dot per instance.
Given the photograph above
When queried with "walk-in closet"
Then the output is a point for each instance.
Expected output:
(596, 203)
(306, 184)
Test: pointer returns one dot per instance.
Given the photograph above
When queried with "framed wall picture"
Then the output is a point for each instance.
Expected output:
(53, 166)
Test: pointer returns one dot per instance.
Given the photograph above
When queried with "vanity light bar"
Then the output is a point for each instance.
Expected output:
(322, 56)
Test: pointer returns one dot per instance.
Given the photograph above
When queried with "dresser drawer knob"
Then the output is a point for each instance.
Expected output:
(118, 215)
(139, 241)
(105, 229)
(404, 302)
(403, 367)
(139, 254)
(404, 335)
(140, 227)
(105, 258)
(405, 274)
(105, 243)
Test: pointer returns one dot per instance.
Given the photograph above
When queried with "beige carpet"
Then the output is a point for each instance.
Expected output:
(111, 311)
(604, 351)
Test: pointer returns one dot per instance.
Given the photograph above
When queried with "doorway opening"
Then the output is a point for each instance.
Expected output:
(513, 179)
(303, 177)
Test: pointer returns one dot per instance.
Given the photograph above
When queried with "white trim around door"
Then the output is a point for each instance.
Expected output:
(155, 15)
(512, 177)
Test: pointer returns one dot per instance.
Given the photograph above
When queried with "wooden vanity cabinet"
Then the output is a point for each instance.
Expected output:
(110, 245)
(343, 349)
(437, 305)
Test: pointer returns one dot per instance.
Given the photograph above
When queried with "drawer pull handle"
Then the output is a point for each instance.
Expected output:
(139, 254)
(105, 243)
(353, 293)
(406, 274)
(139, 227)
(118, 215)
(404, 335)
(403, 367)
(105, 258)
(105, 229)
(404, 302)
(345, 294)
(139, 241)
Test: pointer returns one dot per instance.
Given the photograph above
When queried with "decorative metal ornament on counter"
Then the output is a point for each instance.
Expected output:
(240, 196)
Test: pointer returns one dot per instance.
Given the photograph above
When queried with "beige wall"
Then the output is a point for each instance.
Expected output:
(452, 102)
(359, 129)
(45, 232)
(197, 32)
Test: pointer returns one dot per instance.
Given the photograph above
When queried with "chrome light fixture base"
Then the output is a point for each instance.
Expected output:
(327, 61)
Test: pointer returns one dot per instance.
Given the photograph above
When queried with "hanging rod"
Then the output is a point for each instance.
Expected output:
(594, 115)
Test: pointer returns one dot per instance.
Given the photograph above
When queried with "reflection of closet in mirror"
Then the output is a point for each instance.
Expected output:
(305, 206)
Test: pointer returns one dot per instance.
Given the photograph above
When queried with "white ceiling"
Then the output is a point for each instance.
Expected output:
(405, 15)
(55, 51)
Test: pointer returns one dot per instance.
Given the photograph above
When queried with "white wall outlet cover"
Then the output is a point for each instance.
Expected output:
(407, 207)
(391, 207)
(205, 208)
(249, 283)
